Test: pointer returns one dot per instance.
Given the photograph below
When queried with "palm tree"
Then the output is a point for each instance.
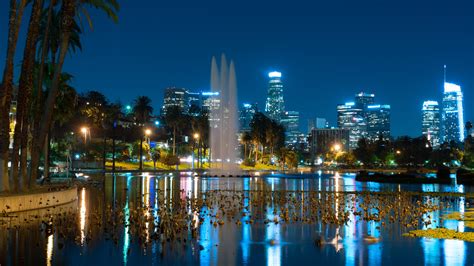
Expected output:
(174, 120)
(142, 109)
(20, 139)
(6, 88)
(68, 13)
(246, 140)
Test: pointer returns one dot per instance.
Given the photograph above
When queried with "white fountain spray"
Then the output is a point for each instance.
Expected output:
(223, 118)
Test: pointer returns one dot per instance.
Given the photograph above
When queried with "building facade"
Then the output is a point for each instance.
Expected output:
(275, 104)
(378, 121)
(291, 121)
(364, 119)
(323, 139)
(452, 113)
(246, 114)
(431, 122)
(352, 117)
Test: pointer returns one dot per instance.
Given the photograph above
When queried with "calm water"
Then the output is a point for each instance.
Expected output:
(83, 237)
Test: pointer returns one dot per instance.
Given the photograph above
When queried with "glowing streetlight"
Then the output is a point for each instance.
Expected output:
(398, 152)
(337, 147)
(196, 139)
(85, 130)
(147, 132)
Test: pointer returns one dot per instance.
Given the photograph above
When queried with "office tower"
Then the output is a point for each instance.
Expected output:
(290, 120)
(311, 124)
(275, 104)
(363, 99)
(378, 121)
(175, 97)
(364, 119)
(452, 113)
(321, 122)
(246, 114)
(322, 140)
(430, 125)
(352, 117)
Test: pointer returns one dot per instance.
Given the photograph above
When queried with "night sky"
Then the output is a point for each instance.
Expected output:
(326, 50)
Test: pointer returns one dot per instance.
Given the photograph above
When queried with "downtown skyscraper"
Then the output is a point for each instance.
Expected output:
(364, 119)
(452, 113)
(431, 122)
(275, 104)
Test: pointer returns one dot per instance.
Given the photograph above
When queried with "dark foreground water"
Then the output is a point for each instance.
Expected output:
(118, 223)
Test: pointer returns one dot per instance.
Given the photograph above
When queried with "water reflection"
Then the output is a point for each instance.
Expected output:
(275, 243)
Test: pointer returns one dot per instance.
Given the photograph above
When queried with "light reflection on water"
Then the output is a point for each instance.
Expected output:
(271, 244)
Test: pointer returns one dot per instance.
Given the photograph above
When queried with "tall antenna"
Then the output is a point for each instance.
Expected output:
(444, 73)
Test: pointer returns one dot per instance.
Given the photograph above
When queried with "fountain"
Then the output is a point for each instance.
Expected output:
(223, 117)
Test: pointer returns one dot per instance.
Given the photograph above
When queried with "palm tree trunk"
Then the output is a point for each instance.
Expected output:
(6, 88)
(24, 90)
(174, 140)
(38, 98)
(46, 155)
(104, 151)
(68, 10)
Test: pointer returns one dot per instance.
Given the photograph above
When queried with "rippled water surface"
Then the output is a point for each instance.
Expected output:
(243, 224)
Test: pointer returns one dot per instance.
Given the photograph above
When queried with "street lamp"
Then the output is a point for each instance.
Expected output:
(147, 133)
(196, 138)
(337, 147)
(84, 131)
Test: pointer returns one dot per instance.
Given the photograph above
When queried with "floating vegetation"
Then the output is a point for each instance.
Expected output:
(442, 233)
(467, 217)
(176, 216)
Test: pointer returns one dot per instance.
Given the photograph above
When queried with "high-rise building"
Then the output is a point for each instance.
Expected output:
(378, 121)
(352, 117)
(323, 139)
(290, 120)
(275, 104)
(363, 99)
(321, 123)
(175, 97)
(431, 122)
(246, 115)
(317, 123)
(364, 119)
(452, 113)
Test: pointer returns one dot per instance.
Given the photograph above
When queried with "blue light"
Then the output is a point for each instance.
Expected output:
(128, 107)
(350, 103)
(157, 123)
(77, 156)
(210, 93)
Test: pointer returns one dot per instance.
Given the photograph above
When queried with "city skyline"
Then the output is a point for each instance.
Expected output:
(398, 55)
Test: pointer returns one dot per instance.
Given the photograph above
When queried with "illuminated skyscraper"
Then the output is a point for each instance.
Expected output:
(246, 114)
(275, 104)
(363, 99)
(290, 120)
(378, 121)
(364, 119)
(431, 122)
(452, 113)
(352, 117)
(175, 97)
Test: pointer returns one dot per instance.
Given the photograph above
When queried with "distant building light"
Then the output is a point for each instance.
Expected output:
(128, 107)
(246, 105)
(210, 93)
(451, 87)
(274, 74)
(350, 104)
(157, 123)
(373, 106)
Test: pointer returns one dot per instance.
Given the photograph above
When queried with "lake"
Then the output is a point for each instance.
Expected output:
(275, 219)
